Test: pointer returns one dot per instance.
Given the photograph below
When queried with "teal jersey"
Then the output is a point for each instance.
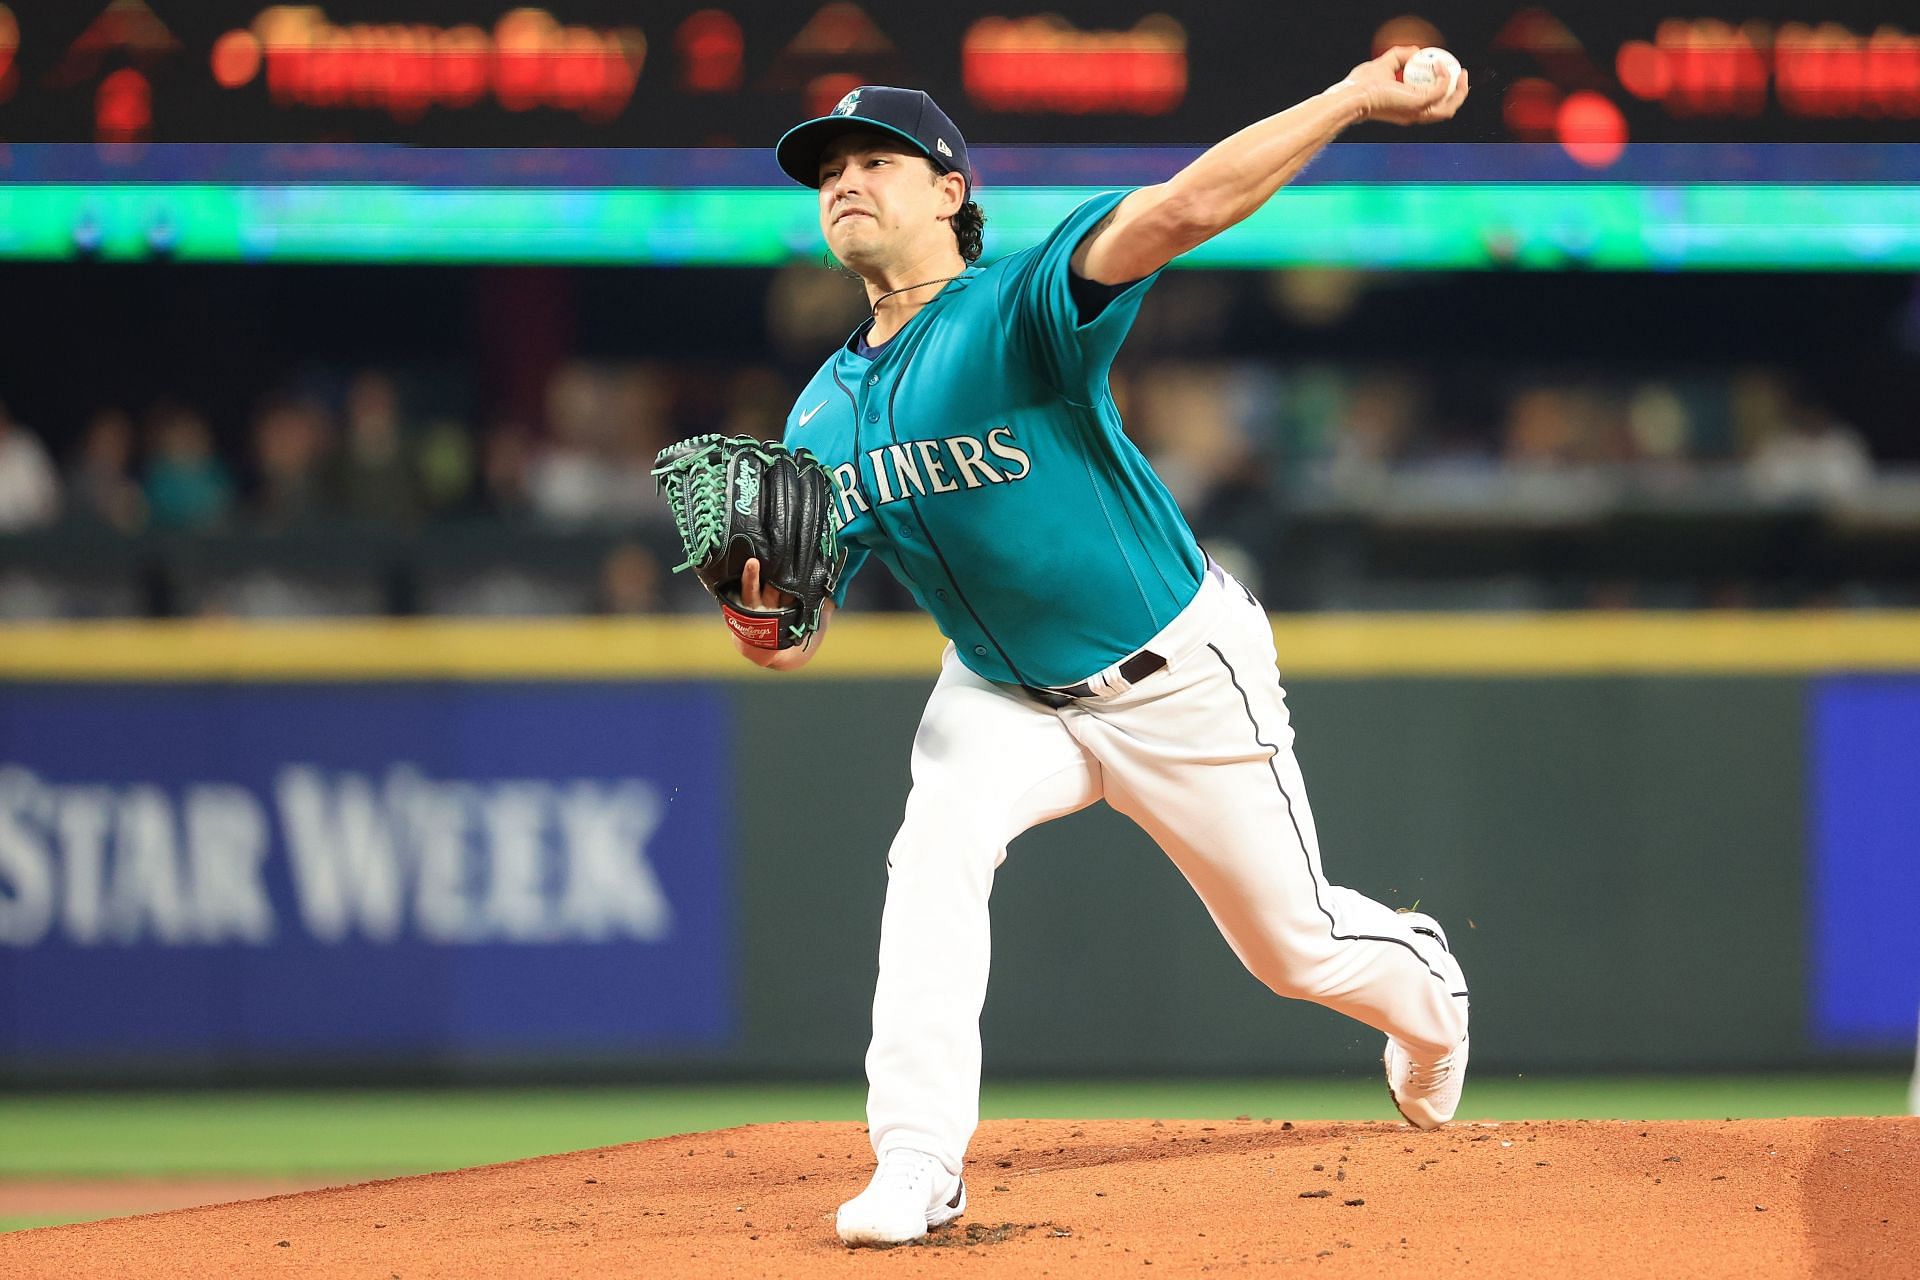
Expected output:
(980, 455)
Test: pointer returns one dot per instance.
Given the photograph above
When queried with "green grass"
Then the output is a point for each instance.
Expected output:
(23, 1224)
(371, 1133)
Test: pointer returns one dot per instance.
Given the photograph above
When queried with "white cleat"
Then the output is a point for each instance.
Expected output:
(911, 1193)
(1427, 1093)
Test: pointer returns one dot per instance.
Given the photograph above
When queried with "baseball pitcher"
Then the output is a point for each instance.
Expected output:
(966, 437)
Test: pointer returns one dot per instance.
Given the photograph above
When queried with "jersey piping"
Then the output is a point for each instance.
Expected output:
(913, 505)
(1313, 878)
(835, 375)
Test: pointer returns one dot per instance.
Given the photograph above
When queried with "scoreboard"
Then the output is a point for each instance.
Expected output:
(633, 73)
(1752, 135)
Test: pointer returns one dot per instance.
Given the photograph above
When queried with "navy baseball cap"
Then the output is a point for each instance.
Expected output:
(906, 113)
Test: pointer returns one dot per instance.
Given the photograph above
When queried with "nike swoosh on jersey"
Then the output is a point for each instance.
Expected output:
(807, 417)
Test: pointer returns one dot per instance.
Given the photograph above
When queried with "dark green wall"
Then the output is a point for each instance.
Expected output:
(1619, 862)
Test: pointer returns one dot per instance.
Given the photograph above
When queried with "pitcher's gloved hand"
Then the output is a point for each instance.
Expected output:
(734, 499)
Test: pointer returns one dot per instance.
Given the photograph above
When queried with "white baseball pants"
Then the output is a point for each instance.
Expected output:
(1200, 755)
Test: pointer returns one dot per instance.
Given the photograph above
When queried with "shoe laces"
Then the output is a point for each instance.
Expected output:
(1424, 1077)
(907, 1171)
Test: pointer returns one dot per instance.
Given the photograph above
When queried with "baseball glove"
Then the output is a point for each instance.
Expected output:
(735, 498)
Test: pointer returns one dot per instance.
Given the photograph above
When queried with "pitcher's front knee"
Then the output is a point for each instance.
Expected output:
(943, 833)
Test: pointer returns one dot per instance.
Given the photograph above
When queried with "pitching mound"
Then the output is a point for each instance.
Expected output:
(1064, 1198)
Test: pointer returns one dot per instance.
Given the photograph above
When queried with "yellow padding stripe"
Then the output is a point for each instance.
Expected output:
(407, 649)
(1598, 644)
(908, 645)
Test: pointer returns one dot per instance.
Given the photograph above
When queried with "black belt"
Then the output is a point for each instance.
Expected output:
(1133, 671)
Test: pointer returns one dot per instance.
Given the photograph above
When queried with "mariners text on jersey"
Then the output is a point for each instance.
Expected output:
(980, 455)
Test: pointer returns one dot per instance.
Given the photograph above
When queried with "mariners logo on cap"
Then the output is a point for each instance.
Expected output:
(847, 105)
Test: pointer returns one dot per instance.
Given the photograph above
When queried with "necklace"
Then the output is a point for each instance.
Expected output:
(908, 289)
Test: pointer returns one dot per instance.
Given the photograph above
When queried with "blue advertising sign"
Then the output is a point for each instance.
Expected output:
(1865, 814)
(265, 873)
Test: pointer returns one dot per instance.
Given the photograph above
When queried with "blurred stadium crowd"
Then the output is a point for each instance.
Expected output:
(1332, 478)
(1248, 448)
(1216, 432)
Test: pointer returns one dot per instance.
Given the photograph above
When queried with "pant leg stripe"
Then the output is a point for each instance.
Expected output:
(1273, 753)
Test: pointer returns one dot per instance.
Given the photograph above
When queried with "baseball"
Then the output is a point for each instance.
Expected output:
(1429, 65)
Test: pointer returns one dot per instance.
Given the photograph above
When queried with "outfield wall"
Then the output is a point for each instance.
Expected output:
(458, 849)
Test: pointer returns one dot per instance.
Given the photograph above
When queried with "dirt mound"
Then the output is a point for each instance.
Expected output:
(1093, 1198)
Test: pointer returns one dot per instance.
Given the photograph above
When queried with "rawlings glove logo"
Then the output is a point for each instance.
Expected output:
(747, 477)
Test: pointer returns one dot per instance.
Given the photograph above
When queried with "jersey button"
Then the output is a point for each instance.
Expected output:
(873, 415)
(979, 651)
(940, 594)
(873, 380)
